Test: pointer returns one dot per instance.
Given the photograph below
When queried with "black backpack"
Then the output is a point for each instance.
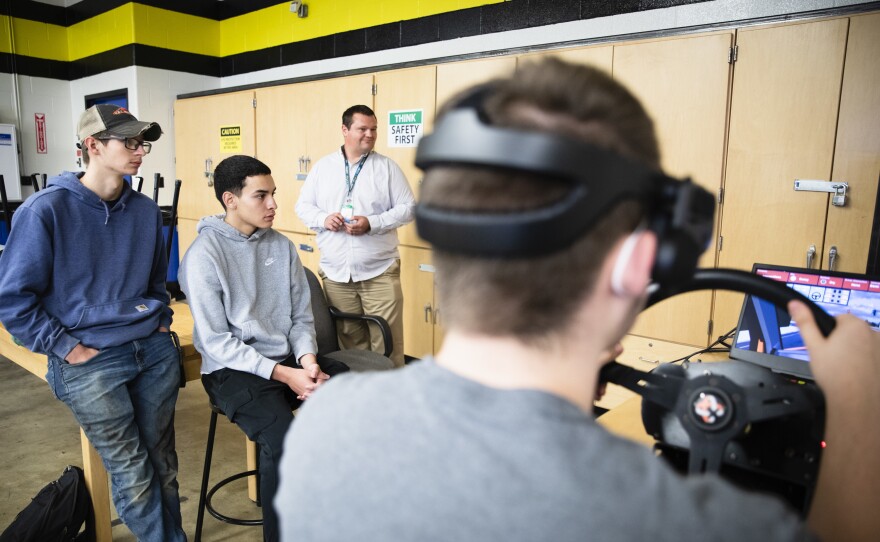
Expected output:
(57, 513)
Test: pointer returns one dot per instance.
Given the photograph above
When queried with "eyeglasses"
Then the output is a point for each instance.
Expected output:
(131, 143)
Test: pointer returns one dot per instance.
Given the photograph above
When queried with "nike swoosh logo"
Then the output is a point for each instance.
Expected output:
(270, 261)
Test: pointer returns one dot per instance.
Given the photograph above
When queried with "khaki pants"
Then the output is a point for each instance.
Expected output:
(381, 296)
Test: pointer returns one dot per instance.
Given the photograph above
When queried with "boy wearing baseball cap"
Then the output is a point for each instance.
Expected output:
(82, 280)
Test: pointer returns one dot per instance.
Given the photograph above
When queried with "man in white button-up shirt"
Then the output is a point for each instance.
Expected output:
(356, 198)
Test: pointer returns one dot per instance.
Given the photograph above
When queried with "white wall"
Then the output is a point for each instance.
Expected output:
(47, 96)
(38, 95)
(157, 90)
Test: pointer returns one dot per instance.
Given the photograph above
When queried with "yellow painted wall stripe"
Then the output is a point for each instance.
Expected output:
(276, 25)
(269, 27)
(177, 31)
(107, 31)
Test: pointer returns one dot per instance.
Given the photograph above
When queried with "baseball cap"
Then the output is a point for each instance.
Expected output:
(112, 120)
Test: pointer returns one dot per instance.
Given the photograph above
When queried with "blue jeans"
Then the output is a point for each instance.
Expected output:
(124, 400)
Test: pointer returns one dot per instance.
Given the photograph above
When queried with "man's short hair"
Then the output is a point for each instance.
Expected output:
(230, 174)
(534, 298)
(348, 114)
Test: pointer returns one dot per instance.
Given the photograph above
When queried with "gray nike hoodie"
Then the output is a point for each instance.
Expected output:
(249, 298)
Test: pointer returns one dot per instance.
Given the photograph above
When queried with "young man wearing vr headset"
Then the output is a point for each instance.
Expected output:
(539, 278)
(82, 280)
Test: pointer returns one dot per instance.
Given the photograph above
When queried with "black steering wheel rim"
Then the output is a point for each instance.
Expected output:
(748, 283)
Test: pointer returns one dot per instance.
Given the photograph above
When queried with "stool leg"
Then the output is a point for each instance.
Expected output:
(259, 501)
(209, 451)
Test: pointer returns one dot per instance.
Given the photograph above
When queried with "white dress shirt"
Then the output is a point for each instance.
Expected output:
(381, 193)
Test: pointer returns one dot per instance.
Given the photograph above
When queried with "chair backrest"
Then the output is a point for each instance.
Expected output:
(325, 328)
(4, 206)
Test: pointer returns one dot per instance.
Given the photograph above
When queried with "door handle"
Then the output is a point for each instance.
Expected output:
(811, 253)
(429, 314)
(209, 174)
(832, 257)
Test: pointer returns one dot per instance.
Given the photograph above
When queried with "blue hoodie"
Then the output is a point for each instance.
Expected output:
(77, 270)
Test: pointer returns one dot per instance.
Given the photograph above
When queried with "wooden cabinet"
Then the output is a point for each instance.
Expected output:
(405, 90)
(186, 234)
(306, 248)
(457, 76)
(800, 102)
(600, 56)
(201, 142)
(783, 120)
(857, 148)
(296, 126)
(683, 84)
(422, 334)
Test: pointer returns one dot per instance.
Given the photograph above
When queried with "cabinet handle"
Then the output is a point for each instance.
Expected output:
(436, 319)
(429, 313)
(832, 257)
(811, 253)
(208, 173)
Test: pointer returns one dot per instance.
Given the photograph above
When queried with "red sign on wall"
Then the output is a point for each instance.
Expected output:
(40, 122)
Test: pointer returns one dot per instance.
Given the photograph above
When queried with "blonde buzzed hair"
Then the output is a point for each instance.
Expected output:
(534, 298)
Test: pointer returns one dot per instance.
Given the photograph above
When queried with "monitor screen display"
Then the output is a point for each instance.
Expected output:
(767, 336)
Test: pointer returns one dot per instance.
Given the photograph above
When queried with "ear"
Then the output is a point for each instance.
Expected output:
(90, 144)
(633, 264)
(230, 201)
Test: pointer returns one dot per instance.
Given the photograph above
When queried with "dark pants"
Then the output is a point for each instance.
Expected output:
(263, 410)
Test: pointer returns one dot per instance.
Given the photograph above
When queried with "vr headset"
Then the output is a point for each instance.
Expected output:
(679, 212)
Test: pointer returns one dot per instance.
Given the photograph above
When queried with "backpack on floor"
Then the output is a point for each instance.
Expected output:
(57, 513)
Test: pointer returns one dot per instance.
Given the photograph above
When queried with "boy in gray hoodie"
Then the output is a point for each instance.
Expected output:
(253, 319)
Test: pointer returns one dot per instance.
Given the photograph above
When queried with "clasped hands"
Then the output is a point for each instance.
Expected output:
(358, 225)
(302, 381)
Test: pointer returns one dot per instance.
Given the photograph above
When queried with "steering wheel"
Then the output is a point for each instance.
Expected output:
(706, 408)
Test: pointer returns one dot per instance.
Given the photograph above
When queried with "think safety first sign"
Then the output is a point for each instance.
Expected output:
(405, 128)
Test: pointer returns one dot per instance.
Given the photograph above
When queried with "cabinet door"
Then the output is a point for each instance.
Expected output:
(784, 106)
(598, 56)
(457, 76)
(298, 124)
(417, 282)
(405, 90)
(683, 84)
(199, 145)
(857, 152)
(186, 234)
(306, 248)
(328, 100)
(281, 144)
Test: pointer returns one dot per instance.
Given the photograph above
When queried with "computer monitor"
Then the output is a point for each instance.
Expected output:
(767, 336)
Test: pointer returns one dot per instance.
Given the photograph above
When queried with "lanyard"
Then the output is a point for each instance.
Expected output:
(349, 183)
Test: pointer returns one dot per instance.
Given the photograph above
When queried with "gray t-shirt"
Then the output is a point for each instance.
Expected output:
(422, 454)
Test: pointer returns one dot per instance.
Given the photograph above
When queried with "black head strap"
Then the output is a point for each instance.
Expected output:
(599, 180)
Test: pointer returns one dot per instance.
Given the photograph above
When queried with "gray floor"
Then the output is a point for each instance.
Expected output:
(39, 437)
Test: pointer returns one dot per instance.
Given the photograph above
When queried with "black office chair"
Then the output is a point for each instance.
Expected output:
(328, 347)
(328, 342)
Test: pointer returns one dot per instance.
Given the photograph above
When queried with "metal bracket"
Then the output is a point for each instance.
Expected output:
(838, 189)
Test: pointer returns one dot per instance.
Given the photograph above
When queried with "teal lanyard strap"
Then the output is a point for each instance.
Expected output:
(349, 183)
